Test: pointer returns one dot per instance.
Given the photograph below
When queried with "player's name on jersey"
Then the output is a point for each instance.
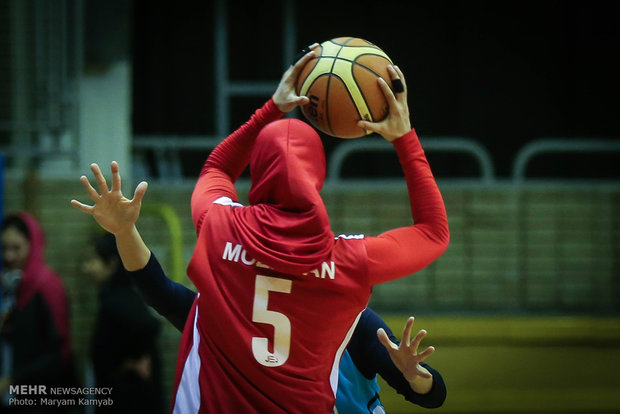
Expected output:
(236, 253)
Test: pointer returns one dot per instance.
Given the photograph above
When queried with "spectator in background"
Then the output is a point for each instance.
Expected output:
(35, 343)
(124, 345)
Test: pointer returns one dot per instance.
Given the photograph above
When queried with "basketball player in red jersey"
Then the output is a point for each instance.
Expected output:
(279, 295)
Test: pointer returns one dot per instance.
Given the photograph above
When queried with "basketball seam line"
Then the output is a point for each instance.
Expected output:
(351, 96)
(350, 39)
(329, 79)
(352, 62)
(363, 96)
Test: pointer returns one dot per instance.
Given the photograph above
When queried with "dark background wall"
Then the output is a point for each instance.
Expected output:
(502, 73)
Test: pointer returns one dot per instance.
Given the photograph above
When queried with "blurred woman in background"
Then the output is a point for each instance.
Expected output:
(35, 343)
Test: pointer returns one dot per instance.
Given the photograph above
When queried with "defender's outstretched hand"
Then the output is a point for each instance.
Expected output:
(407, 359)
(111, 209)
(117, 215)
(285, 97)
(397, 122)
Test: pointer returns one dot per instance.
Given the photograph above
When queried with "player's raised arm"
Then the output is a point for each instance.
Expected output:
(406, 250)
(228, 160)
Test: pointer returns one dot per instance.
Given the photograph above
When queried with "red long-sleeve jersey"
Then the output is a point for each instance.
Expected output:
(261, 336)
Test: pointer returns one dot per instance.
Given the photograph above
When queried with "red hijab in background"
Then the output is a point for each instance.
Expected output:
(37, 277)
(286, 226)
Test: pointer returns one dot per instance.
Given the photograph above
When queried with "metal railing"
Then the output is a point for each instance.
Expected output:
(167, 151)
(557, 146)
(444, 144)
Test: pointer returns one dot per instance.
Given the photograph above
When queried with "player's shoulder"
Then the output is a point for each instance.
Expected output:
(349, 242)
(350, 251)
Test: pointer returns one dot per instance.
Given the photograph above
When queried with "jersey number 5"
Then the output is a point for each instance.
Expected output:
(281, 324)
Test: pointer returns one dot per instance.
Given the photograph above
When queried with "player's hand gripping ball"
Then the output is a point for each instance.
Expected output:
(342, 86)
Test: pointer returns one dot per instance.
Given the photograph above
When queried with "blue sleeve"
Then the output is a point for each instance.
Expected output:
(371, 358)
(170, 299)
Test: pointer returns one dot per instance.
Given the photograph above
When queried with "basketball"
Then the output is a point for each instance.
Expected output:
(342, 86)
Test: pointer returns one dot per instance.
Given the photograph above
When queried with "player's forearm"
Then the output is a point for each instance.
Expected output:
(133, 251)
(427, 206)
(227, 161)
(233, 154)
(170, 299)
(403, 251)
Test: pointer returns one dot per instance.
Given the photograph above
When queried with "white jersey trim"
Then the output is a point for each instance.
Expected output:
(227, 201)
(350, 236)
(333, 377)
(187, 400)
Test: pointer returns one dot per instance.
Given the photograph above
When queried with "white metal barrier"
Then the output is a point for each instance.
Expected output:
(548, 145)
(444, 144)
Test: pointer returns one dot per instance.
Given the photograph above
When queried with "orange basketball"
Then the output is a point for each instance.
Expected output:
(342, 86)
